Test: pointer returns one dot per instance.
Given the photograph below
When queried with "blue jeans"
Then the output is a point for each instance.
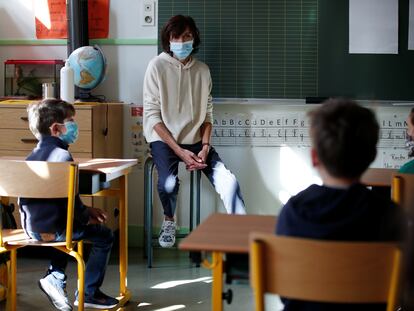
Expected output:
(102, 239)
(223, 181)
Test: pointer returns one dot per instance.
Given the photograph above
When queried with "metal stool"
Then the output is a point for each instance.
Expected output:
(148, 207)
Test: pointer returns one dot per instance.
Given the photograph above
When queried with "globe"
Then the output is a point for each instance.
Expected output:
(89, 66)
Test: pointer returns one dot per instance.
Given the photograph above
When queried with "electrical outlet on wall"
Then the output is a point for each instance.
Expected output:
(148, 13)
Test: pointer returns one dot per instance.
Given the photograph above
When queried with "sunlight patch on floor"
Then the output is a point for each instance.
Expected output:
(171, 284)
(171, 308)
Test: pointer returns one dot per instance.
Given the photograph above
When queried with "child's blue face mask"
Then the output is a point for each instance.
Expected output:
(72, 132)
(181, 49)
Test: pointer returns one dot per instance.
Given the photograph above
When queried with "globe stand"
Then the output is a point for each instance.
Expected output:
(84, 95)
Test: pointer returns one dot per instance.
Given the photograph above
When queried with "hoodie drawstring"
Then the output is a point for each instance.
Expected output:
(179, 89)
(191, 96)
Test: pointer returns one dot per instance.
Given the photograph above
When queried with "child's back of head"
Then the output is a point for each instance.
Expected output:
(344, 136)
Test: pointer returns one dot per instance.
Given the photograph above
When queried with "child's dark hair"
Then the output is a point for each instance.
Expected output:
(345, 137)
(174, 27)
(46, 112)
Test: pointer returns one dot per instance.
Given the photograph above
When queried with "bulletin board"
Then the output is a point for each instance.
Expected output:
(55, 14)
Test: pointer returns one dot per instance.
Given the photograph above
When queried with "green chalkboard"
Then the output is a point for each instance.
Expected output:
(364, 76)
(292, 49)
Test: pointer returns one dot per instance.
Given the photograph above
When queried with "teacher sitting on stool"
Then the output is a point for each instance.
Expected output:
(178, 114)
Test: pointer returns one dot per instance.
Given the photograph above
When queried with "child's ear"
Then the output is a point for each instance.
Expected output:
(55, 129)
(314, 157)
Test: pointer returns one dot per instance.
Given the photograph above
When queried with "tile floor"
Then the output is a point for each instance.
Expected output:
(172, 284)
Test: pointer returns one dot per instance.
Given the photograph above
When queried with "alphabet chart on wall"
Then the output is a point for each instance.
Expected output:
(291, 129)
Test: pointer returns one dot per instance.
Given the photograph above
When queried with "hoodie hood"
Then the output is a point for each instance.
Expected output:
(176, 62)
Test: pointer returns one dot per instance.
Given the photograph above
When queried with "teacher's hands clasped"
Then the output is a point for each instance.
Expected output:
(191, 160)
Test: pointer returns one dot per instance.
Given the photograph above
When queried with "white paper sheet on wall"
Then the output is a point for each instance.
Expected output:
(411, 26)
(373, 26)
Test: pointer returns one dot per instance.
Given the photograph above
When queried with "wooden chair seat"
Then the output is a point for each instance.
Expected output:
(13, 235)
(18, 237)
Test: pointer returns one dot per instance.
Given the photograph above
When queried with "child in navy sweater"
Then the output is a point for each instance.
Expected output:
(52, 122)
(344, 136)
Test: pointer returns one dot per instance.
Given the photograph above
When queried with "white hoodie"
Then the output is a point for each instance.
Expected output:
(177, 95)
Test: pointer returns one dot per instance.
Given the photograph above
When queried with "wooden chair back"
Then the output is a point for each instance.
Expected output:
(323, 271)
(35, 179)
(45, 180)
(40, 179)
(402, 190)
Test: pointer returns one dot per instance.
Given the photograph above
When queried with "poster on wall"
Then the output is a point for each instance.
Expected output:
(373, 26)
(51, 23)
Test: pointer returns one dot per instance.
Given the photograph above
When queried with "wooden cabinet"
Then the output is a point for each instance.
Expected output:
(100, 136)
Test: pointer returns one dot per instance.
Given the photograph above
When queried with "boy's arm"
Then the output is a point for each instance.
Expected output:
(81, 211)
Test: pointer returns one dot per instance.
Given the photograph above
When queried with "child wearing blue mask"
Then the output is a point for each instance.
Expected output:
(52, 123)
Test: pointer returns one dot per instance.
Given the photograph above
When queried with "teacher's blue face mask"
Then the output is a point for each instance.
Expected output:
(72, 132)
(181, 49)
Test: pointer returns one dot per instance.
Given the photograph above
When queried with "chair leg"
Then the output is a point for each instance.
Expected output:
(12, 290)
(80, 248)
(81, 276)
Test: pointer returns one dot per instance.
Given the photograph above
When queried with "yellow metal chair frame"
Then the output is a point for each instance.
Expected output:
(38, 179)
(324, 271)
(403, 191)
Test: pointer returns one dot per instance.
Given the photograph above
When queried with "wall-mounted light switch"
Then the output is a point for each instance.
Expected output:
(148, 13)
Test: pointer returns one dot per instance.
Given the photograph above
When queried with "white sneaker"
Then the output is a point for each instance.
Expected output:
(54, 286)
(167, 234)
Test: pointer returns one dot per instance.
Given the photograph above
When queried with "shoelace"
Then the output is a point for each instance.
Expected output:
(169, 228)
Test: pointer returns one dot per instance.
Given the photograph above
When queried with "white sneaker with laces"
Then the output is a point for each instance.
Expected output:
(167, 234)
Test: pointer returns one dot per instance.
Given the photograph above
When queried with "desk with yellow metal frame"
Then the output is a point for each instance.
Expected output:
(221, 234)
(110, 170)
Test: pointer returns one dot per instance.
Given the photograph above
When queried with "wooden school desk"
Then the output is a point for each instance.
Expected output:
(221, 234)
(378, 177)
(97, 172)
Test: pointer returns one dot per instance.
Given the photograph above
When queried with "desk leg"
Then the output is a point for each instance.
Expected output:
(217, 287)
(125, 295)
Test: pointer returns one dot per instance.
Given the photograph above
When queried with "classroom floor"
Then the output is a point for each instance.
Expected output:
(172, 284)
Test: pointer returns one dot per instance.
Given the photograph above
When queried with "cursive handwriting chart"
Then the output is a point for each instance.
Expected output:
(276, 130)
(292, 129)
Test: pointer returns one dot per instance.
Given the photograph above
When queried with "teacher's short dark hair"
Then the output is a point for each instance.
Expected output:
(174, 27)
(344, 135)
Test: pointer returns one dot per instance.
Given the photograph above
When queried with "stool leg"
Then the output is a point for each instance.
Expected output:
(192, 200)
(198, 197)
(195, 198)
(195, 207)
(148, 209)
